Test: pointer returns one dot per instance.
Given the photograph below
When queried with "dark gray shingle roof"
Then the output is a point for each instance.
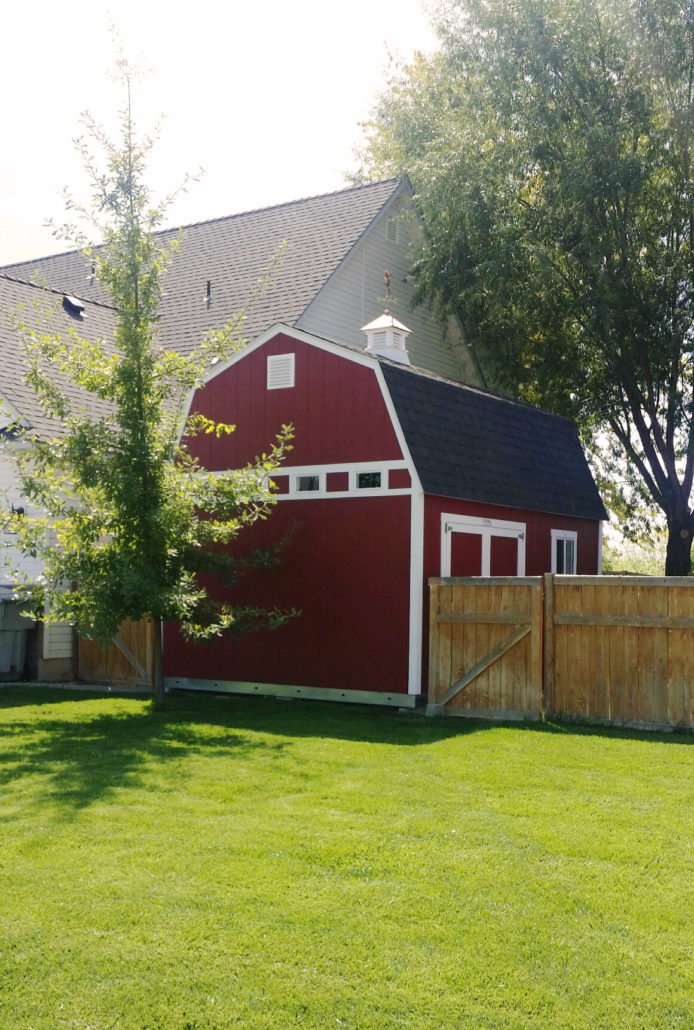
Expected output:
(234, 253)
(479, 446)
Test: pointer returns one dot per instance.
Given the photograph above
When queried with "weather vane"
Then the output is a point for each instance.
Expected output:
(386, 280)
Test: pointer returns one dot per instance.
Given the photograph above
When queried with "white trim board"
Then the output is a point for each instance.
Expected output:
(416, 625)
(414, 685)
(358, 697)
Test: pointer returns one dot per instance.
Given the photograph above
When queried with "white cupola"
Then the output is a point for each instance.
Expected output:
(388, 338)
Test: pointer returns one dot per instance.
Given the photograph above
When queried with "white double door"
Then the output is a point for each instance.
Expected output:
(473, 546)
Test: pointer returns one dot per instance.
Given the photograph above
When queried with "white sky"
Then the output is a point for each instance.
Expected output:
(265, 96)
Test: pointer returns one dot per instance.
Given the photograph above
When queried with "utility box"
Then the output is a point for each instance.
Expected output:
(14, 627)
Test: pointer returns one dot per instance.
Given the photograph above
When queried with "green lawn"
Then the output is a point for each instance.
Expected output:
(243, 862)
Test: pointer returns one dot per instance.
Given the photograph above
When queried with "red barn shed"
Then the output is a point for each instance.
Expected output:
(396, 475)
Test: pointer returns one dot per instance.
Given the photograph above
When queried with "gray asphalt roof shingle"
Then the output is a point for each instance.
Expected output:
(465, 443)
(43, 310)
(479, 446)
(235, 253)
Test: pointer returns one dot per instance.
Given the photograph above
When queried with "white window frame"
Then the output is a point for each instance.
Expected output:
(565, 535)
(366, 490)
(486, 528)
(294, 483)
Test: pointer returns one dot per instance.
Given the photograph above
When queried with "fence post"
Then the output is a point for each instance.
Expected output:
(548, 646)
(434, 588)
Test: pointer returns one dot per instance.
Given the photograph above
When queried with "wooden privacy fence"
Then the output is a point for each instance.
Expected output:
(485, 647)
(128, 662)
(609, 649)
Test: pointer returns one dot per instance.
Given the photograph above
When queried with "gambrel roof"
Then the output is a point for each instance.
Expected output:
(301, 244)
(480, 446)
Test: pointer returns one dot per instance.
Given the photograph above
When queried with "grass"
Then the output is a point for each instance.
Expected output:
(242, 862)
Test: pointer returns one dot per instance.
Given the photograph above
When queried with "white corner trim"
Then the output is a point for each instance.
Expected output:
(397, 428)
(416, 543)
(414, 685)
(600, 533)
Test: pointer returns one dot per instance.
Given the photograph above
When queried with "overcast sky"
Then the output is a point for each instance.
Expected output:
(266, 97)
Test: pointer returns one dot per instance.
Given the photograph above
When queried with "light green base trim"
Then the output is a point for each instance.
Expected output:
(357, 697)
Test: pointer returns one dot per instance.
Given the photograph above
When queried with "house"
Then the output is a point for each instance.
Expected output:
(51, 311)
(399, 471)
(396, 475)
(325, 257)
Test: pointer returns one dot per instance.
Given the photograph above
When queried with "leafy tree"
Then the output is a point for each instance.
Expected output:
(549, 144)
(134, 527)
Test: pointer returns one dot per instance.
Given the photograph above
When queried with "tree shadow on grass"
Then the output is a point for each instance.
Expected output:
(82, 756)
(304, 718)
(80, 753)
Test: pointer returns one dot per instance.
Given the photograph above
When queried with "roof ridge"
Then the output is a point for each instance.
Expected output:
(285, 203)
(51, 289)
(395, 180)
(470, 388)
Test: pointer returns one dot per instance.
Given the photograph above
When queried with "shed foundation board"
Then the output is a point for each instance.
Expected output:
(358, 697)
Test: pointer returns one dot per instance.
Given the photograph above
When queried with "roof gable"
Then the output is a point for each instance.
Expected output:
(312, 236)
(478, 446)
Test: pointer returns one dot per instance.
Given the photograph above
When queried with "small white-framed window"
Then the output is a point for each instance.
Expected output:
(564, 544)
(307, 484)
(280, 371)
(369, 480)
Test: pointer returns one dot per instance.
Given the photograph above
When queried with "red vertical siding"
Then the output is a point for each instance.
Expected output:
(538, 544)
(336, 409)
(347, 568)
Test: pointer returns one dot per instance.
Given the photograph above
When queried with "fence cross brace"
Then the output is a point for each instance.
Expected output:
(506, 644)
(130, 657)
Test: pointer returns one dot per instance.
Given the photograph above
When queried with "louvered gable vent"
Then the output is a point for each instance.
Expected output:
(280, 371)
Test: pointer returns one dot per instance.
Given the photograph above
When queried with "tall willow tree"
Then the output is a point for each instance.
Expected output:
(549, 144)
(133, 526)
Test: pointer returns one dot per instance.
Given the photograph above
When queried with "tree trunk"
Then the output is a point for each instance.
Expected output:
(158, 663)
(678, 561)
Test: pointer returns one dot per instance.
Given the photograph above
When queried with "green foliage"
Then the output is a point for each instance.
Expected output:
(643, 558)
(127, 520)
(549, 146)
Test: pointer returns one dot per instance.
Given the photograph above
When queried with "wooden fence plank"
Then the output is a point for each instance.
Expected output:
(469, 633)
(435, 588)
(480, 692)
(490, 658)
(127, 662)
(533, 699)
